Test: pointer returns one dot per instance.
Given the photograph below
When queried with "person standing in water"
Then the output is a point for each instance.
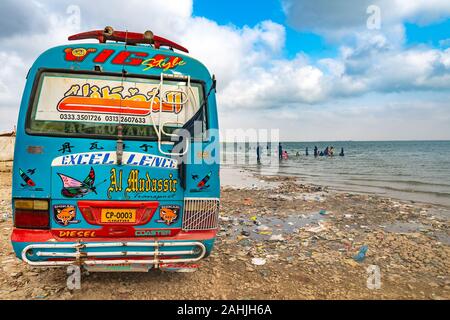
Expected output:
(326, 152)
(316, 153)
(280, 151)
(307, 153)
(258, 155)
(342, 152)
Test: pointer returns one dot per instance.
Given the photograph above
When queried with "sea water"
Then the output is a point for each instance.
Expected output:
(408, 170)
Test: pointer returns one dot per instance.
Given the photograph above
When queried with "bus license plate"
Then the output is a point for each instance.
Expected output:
(118, 215)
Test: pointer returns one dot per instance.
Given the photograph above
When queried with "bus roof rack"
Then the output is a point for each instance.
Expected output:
(129, 37)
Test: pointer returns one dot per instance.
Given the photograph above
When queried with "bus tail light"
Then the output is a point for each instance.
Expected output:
(87, 214)
(31, 214)
(200, 214)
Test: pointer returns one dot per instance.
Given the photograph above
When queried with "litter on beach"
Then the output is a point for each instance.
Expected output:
(276, 237)
(258, 261)
(361, 254)
(316, 229)
(311, 197)
(263, 227)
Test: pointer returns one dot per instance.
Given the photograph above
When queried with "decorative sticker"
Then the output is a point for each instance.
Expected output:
(137, 183)
(161, 61)
(65, 214)
(73, 188)
(110, 157)
(75, 233)
(168, 214)
(203, 184)
(156, 232)
(125, 57)
(90, 99)
(28, 181)
(78, 54)
(95, 146)
(66, 147)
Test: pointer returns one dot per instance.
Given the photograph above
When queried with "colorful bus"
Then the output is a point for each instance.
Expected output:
(115, 163)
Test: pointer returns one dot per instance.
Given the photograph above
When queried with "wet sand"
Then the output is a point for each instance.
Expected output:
(278, 239)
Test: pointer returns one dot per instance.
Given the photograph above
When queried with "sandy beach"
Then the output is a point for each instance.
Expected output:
(279, 239)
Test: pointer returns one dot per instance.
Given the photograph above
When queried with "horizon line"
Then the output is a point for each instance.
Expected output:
(393, 140)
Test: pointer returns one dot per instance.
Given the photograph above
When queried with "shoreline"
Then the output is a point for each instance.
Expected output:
(244, 176)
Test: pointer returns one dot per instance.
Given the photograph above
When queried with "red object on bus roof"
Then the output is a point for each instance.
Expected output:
(129, 37)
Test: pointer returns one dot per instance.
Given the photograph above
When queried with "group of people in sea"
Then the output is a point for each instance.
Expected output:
(283, 155)
(328, 152)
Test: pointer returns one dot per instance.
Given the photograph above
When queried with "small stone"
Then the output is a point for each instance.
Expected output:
(245, 233)
(124, 290)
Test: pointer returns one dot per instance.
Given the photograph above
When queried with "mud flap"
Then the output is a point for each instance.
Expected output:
(178, 267)
(136, 267)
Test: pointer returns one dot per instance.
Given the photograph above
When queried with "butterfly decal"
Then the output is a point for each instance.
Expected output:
(73, 188)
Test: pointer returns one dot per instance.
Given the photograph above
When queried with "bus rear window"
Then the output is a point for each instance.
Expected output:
(80, 104)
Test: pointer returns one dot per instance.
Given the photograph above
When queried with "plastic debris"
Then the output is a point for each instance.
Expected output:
(258, 261)
(276, 237)
(263, 227)
(312, 197)
(361, 254)
(323, 212)
(253, 218)
(316, 229)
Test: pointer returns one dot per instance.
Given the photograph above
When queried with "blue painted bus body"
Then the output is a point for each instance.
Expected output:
(59, 167)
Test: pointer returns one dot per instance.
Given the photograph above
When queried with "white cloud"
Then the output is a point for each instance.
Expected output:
(341, 17)
(230, 52)
(227, 51)
(255, 82)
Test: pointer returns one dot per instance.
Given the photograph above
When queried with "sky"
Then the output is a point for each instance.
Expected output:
(314, 69)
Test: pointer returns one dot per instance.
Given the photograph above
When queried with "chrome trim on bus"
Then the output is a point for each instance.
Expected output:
(79, 256)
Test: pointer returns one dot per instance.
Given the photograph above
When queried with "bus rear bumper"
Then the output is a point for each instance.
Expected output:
(116, 255)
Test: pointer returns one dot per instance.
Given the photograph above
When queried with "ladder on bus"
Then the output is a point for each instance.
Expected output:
(187, 98)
